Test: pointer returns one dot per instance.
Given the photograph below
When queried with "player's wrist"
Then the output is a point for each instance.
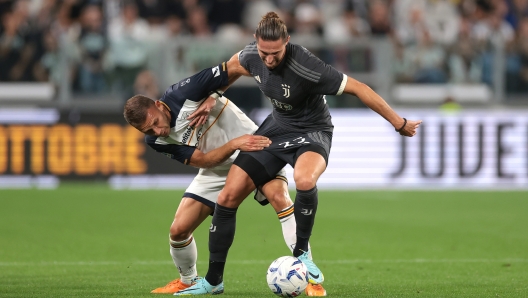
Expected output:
(400, 127)
(216, 94)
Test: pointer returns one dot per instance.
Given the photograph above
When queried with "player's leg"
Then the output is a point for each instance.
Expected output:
(198, 202)
(308, 168)
(222, 232)
(189, 215)
(276, 191)
(246, 172)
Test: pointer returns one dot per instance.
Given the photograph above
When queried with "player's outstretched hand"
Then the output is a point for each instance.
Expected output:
(251, 143)
(410, 128)
(201, 114)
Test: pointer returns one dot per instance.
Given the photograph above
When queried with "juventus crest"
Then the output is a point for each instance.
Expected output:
(286, 89)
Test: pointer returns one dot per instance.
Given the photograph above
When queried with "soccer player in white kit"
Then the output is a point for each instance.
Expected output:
(212, 147)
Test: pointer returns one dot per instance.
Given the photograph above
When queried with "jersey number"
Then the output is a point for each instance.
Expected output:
(299, 140)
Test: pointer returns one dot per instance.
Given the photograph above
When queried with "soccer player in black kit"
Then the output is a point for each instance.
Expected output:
(300, 128)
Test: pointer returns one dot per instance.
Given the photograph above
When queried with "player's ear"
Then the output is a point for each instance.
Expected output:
(287, 40)
(158, 105)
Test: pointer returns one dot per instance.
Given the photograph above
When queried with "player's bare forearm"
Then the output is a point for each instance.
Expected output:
(217, 156)
(234, 70)
(372, 100)
(212, 158)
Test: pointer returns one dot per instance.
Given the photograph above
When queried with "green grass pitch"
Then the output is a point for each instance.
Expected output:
(90, 241)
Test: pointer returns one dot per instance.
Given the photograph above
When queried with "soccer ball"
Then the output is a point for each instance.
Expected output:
(287, 276)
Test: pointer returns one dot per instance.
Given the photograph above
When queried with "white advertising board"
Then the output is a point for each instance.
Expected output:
(472, 149)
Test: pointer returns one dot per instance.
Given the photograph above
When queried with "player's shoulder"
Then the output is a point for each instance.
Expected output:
(251, 47)
(249, 51)
(301, 54)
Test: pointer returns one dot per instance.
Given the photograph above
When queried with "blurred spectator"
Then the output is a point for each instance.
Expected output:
(410, 22)
(490, 32)
(361, 7)
(518, 9)
(379, 18)
(439, 18)
(450, 106)
(50, 67)
(128, 37)
(465, 59)
(200, 53)
(307, 19)
(493, 28)
(522, 47)
(16, 47)
(147, 85)
(222, 12)
(198, 23)
(153, 11)
(422, 63)
(92, 46)
(343, 29)
(253, 12)
(517, 68)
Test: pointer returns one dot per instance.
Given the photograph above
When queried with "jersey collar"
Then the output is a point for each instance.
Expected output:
(172, 115)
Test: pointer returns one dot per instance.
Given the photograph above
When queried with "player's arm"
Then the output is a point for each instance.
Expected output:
(221, 154)
(190, 155)
(234, 71)
(372, 100)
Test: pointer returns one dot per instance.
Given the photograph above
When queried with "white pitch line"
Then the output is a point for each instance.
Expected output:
(255, 262)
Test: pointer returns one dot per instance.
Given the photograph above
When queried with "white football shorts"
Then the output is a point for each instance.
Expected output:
(208, 183)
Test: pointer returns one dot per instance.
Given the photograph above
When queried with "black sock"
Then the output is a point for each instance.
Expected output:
(221, 235)
(305, 207)
(215, 274)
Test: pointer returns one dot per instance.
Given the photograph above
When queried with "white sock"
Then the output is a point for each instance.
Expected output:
(287, 219)
(184, 254)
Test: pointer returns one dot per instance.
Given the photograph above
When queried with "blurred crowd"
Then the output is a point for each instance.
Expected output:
(99, 46)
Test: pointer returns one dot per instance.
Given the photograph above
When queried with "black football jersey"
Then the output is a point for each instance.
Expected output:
(296, 87)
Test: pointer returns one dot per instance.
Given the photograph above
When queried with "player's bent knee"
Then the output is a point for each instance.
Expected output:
(229, 199)
(280, 201)
(178, 233)
(305, 183)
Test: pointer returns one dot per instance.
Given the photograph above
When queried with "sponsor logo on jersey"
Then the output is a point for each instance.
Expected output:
(216, 71)
(183, 115)
(280, 105)
(257, 78)
(286, 89)
(187, 134)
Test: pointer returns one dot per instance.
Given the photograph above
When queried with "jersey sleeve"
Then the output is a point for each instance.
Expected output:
(245, 55)
(329, 81)
(181, 153)
(200, 85)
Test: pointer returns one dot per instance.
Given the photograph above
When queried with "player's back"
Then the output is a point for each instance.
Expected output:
(225, 122)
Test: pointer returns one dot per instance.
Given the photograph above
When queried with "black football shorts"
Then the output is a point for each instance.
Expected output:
(262, 166)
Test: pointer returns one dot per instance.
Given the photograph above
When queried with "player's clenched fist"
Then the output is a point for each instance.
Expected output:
(251, 143)
(410, 128)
